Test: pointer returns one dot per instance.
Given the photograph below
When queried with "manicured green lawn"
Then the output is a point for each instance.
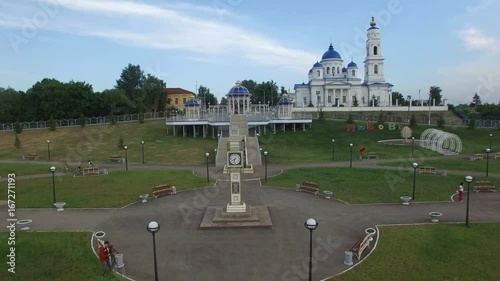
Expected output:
(369, 185)
(23, 169)
(446, 252)
(97, 143)
(451, 164)
(54, 256)
(117, 189)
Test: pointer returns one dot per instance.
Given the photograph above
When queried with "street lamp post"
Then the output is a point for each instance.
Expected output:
(310, 224)
(48, 148)
(333, 149)
(491, 135)
(215, 156)
(206, 156)
(142, 148)
(412, 145)
(53, 170)
(126, 157)
(415, 166)
(350, 157)
(468, 179)
(265, 165)
(409, 104)
(152, 228)
(487, 159)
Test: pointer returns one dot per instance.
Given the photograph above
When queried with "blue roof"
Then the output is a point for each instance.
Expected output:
(317, 64)
(331, 54)
(192, 103)
(238, 90)
(310, 70)
(303, 85)
(377, 84)
(344, 69)
(352, 64)
(373, 27)
(284, 101)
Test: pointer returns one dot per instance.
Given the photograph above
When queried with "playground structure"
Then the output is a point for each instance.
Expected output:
(440, 141)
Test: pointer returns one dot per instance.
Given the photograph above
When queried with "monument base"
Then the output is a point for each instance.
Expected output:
(236, 208)
(218, 216)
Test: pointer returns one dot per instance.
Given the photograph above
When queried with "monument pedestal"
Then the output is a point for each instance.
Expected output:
(236, 208)
(217, 217)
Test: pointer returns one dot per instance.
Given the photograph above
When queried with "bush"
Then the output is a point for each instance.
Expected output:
(413, 121)
(441, 122)
(17, 142)
(350, 120)
(52, 123)
(120, 143)
(17, 127)
(321, 114)
(472, 122)
(82, 121)
(380, 118)
(112, 119)
(141, 117)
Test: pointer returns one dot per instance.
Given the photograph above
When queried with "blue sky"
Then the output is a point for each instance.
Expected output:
(451, 44)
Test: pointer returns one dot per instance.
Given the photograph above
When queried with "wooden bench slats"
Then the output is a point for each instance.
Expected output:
(31, 156)
(372, 155)
(162, 190)
(496, 155)
(484, 186)
(427, 170)
(310, 187)
(361, 245)
(477, 157)
(90, 171)
(115, 158)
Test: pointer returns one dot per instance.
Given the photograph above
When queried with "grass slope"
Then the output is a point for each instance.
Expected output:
(24, 169)
(369, 185)
(54, 256)
(116, 189)
(444, 252)
(452, 164)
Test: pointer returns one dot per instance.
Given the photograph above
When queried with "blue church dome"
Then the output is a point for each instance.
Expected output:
(317, 64)
(331, 54)
(192, 103)
(344, 69)
(284, 100)
(238, 90)
(352, 64)
(310, 70)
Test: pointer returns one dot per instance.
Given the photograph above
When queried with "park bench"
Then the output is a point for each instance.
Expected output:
(32, 156)
(361, 245)
(90, 171)
(372, 155)
(484, 186)
(115, 158)
(496, 155)
(478, 156)
(310, 187)
(162, 190)
(427, 170)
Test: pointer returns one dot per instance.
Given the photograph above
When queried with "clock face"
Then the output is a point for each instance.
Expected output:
(234, 159)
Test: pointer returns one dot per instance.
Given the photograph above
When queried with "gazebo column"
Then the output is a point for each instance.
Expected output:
(194, 131)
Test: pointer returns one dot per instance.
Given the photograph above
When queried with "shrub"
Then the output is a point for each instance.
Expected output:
(52, 123)
(17, 142)
(17, 127)
(441, 122)
(120, 142)
(82, 121)
(413, 121)
(112, 119)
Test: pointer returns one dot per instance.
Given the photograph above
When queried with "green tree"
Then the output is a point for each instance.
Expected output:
(120, 143)
(350, 119)
(380, 118)
(397, 96)
(11, 105)
(472, 121)
(112, 119)
(155, 97)
(82, 121)
(115, 101)
(476, 100)
(413, 121)
(52, 123)
(223, 101)
(17, 142)
(355, 101)
(132, 82)
(441, 121)
(435, 94)
(141, 117)
(205, 96)
(17, 127)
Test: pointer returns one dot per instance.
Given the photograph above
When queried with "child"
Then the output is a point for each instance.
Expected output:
(103, 258)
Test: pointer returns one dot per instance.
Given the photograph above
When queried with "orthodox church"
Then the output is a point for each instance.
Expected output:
(332, 84)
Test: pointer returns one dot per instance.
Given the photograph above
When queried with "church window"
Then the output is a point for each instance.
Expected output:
(176, 100)
(375, 69)
(375, 50)
(318, 98)
(319, 73)
(338, 70)
(329, 99)
(328, 70)
(318, 92)
(362, 100)
(353, 73)
(344, 99)
(183, 100)
(305, 100)
(345, 76)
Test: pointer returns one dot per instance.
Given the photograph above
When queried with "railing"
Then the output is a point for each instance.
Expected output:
(105, 120)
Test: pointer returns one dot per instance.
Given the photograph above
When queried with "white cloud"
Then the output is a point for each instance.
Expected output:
(475, 39)
(480, 6)
(201, 30)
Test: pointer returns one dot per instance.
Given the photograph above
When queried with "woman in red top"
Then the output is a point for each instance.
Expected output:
(103, 258)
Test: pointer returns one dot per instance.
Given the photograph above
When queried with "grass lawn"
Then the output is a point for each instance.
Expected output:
(369, 185)
(117, 189)
(23, 169)
(441, 252)
(452, 164)
(97, 143)
(55, 256)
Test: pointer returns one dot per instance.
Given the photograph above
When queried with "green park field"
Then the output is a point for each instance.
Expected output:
(451, 164)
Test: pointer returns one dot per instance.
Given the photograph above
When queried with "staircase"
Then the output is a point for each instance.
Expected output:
(240, 121)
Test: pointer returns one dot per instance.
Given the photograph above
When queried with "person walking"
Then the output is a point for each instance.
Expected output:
(461, 192)
(104, 258)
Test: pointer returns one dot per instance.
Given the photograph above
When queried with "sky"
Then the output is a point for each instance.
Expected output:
(453, 44)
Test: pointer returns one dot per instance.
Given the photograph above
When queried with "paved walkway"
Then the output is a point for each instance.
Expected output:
(186, 252)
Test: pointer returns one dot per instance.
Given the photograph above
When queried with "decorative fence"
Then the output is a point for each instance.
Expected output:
(91, 121)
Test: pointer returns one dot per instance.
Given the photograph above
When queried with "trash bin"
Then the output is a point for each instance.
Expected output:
(119, 261)
(444, 173)
(297, 187)
(174, 190)
(348, 258)
(104, 171)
